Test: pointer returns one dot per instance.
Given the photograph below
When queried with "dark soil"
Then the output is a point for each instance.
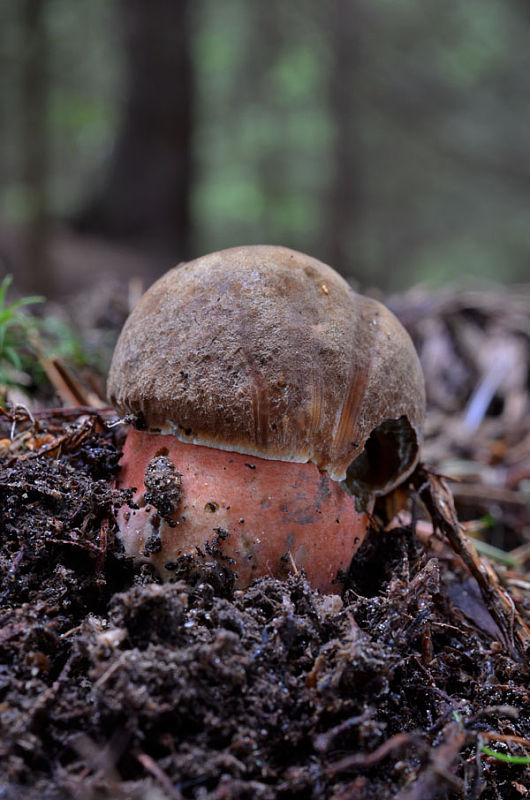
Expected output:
(115, 686)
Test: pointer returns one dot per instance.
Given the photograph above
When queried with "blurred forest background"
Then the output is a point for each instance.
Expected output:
(387, 138)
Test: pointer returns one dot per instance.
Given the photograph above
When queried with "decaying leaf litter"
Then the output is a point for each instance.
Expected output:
(113, 685)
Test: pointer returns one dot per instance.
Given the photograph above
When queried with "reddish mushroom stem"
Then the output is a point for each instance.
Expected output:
(267, 517)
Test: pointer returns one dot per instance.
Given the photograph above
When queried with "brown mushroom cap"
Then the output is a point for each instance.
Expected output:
(267, 351)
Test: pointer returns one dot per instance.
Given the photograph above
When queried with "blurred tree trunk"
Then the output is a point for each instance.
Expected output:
(145, 196)
(37, 266)
(341, 221)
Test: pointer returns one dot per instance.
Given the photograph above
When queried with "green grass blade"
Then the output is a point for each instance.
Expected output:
(508, 759)
(11, 354)
(4, 286)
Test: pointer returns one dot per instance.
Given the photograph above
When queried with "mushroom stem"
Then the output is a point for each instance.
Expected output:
(266, 517)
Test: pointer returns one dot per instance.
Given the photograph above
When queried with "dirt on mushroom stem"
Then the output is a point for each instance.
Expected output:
(115, 686)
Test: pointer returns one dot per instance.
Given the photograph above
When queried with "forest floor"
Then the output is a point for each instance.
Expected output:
(413, 683)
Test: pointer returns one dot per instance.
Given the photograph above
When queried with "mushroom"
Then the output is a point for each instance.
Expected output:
(270, 405)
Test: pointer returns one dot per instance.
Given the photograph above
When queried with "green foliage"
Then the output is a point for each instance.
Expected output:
(506, 757)
(25, 338)
(16, 329)
(59, 338)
